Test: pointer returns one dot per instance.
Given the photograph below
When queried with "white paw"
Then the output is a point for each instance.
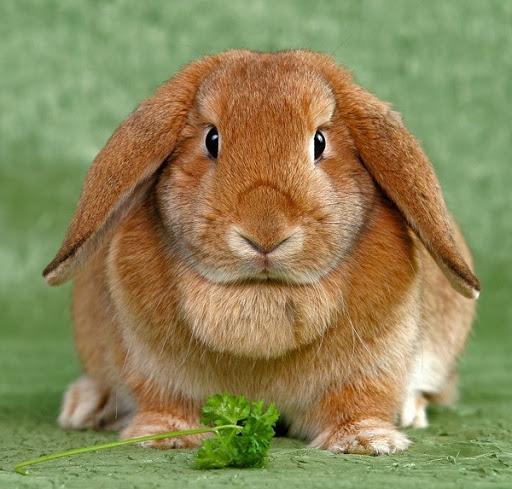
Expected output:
(367, 437)
(414, 411)
(87, 404)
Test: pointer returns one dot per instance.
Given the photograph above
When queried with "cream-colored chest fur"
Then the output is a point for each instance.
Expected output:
(256, 320)
(213, 338)
(188, 359)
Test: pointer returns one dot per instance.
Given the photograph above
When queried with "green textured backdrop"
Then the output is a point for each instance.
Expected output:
(70, 71)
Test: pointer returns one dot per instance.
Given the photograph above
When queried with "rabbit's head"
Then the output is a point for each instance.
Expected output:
(266, 184)
(264, 167)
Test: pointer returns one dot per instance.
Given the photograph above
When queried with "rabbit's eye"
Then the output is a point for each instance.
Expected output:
(212, 142)
(319, 144)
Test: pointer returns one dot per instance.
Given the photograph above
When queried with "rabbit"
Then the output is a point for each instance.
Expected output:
(264, 226)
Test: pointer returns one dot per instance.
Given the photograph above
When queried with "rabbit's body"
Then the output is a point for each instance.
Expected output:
(281, 282)
(414, 353)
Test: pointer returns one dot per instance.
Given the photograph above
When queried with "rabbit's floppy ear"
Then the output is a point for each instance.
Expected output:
(400, 167)
(125, 168)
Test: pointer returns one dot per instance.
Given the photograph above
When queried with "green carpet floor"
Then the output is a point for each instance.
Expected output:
(70, 71)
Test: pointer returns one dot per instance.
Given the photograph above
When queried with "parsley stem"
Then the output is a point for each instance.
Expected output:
(20, 468)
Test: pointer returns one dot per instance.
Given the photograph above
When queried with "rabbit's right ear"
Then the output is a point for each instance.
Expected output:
(125, 167)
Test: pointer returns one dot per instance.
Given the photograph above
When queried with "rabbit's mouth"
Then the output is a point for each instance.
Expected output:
(264, 271)
(283, 258)
(266, 260)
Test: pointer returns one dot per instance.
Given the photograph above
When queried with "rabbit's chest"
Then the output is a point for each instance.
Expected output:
(255, 320)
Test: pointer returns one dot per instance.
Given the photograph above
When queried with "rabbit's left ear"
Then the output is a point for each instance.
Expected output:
(400, 167)
(126, 167)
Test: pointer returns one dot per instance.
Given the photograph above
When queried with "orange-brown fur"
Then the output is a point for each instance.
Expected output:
(173, 306)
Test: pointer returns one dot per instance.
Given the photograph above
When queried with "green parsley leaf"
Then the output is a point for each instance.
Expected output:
(247, 447)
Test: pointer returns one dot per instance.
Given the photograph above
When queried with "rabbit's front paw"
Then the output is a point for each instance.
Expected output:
(151, 423)
(367, 437)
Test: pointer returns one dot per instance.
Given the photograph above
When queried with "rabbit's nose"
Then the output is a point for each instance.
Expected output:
(261, 247)
(275, 250)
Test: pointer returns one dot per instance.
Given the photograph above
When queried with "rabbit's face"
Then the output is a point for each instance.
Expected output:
(265, 184)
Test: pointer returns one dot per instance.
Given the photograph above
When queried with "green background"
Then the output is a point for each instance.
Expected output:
(70, 72)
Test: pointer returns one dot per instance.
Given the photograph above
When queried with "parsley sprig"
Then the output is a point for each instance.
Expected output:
(243, 432)
(246, 446)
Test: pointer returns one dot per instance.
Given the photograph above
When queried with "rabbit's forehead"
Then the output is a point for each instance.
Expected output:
(266, 91)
